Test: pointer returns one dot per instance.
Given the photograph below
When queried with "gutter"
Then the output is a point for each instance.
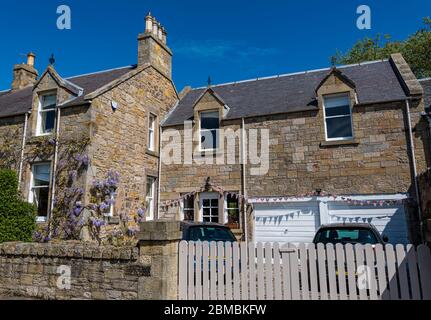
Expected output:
(21, 161)
(415, 175)
(54, 176)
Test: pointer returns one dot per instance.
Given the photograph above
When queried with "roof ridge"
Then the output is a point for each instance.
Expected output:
(98, 72)
(294, 73)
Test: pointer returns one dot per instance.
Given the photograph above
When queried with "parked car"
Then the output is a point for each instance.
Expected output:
(353, 233)
(206, 232)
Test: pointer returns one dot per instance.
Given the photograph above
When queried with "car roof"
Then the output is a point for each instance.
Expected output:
(189, 224)
(347, 225)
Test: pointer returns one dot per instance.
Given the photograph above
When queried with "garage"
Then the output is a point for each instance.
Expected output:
(389, 220)
(298, 221)
(288, 222)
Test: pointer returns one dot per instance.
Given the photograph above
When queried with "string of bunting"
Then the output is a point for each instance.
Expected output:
(177, 202)
(350, 201)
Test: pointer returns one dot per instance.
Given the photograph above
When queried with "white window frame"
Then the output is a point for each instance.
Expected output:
(183, 209)
(204, 130)
(31, 198)
(39, 131)
(152, 121)
(209, 196)
(150, 200)
(347, 95)
(226, 209)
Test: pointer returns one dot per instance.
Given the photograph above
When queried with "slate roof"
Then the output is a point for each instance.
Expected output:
(426, 84)
(374, 81)
(20, 101)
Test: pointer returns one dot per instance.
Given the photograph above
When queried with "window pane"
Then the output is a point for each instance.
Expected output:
(338, 111)
(214, 203)
(338, 101)
(48, 121)
(49, 102)
(210, 120)
(339, 128)
(207, 211)
(41, 175)
(150, 187)
(41, 199)
(206, 202)
(209, 139)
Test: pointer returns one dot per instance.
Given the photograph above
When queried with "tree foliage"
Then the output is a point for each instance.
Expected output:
(416, 49)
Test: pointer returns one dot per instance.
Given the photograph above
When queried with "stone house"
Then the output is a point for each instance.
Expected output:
(118, 111)
(343, 144)
(274, 158)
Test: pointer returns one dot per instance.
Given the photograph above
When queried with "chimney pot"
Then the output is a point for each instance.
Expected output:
(149, 23)
(30, 59)
(155, 27)
(160, 32)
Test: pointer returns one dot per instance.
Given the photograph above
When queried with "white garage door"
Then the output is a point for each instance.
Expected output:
(390, 221)
(287, 222)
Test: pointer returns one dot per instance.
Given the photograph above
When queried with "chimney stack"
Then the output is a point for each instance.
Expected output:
(24, 75)
(152, 48)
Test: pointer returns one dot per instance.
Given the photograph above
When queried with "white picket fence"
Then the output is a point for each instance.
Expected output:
(235, 271)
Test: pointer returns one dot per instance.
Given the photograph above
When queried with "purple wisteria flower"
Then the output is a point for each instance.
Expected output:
(141, 212)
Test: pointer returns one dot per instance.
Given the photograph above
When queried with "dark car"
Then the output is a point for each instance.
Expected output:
(206, 232)
(353, 233)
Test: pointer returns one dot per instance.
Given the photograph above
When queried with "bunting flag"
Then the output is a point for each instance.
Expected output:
(177, 202)
(300, 197)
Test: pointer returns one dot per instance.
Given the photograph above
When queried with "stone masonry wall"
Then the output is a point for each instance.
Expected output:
(146, 272)
(32, 270)
(119, 140)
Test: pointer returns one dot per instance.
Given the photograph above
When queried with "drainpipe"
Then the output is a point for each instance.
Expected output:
(415, 175)
(21, 161)
(244, 191)
(160, 172)
(54, 176)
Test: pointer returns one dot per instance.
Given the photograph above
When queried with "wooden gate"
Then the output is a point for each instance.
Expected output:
(235, 271)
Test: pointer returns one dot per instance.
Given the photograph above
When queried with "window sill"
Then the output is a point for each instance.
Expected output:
(330, 144)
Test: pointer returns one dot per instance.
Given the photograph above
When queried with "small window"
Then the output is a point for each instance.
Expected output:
(150, 199)
(46, 114)
(233, 210)
(39, 189)
(189, 209)
(210, 125)
(338, 118)
(152, 133)
(210, 207)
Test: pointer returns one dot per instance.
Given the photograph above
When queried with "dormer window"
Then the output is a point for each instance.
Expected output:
(46, 114)
(209, 129)
(338, 117)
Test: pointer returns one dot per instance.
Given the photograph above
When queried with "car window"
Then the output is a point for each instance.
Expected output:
(210, 234)
(362, 236)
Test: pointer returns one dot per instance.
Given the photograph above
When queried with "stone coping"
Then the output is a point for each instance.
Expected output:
(69, 251)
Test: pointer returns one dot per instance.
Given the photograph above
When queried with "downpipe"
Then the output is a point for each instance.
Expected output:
(415, 174)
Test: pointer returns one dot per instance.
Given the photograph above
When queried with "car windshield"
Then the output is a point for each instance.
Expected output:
(346, 235)
(210, 234)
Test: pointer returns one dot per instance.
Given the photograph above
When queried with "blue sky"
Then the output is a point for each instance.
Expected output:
(230, 40)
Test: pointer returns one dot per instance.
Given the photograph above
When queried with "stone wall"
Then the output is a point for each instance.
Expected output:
(146, 272)
(119, 139)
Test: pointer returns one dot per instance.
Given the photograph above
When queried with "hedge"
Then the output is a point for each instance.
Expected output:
(17, 218)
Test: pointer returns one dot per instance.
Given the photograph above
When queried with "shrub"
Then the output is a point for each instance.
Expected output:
(17, 218)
